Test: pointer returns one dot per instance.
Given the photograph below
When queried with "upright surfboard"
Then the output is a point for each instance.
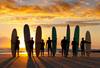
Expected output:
(88, 44)
(27, 37)
(54, 41)
(38, 38)
(76, 38)
(68, 39)
(13, 42)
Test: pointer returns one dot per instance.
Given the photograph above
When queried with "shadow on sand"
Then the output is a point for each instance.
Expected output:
(73, 62)
(8, 62)
(45, 62)
(56, 62)
(88, 61)
(31, 63)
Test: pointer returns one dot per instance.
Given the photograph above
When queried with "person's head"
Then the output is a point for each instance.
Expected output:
(82, 38)
(31, 38)
(17, 37)
(49, 38)
(42, 40)
(64, 37)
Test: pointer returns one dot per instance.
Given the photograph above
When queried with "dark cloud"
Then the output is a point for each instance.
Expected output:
(86, 3)
(71, 23)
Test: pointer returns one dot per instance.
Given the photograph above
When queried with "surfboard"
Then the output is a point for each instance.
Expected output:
(88, 45)
(27, 37)
(76, 38)
(13, 42)
(68, 38)
(54, 40)
(38, 38)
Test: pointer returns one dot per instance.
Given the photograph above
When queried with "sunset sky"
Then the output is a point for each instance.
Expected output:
(16, 13)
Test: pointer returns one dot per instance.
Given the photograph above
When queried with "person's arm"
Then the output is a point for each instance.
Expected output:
(33, 42)
(89, 42)
(85, 41)
(44, 44)
(19, 41)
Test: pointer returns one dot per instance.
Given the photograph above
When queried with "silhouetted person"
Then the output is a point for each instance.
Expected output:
(63, 45)
(48, 43)
(82, 46)
(31, 46)
(74, 48)
(42, 47)
(17, 46)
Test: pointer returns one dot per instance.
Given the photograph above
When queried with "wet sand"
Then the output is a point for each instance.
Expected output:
(6, 61)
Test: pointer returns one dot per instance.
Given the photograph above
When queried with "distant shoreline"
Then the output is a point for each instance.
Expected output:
(8, 51)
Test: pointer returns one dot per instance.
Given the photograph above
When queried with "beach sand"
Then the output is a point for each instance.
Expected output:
(6, 61)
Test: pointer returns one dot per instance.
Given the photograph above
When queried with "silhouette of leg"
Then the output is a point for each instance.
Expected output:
(62, 51)
(29, 53)
(15, 53)
(32, 52)
(81, 52)
(43, 52)
(48, 51)
(51, 51)
(18, 52)
(84, 53)
(66, 53)
(76, 53)
(73, 53)
(88, 53)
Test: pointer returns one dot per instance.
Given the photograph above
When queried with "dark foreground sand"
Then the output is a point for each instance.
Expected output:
(49, 62)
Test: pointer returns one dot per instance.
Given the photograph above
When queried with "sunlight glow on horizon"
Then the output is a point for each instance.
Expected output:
(12, 16)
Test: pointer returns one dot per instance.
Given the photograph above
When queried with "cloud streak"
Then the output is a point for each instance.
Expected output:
(86, 3)
(71, 23)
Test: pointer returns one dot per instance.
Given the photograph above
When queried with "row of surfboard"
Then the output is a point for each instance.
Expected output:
(38, 38)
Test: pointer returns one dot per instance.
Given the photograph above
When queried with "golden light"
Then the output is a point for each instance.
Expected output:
(22, 43)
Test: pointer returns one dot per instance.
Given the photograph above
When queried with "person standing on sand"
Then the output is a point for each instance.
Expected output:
(63, 45)
(17, 46)
(48, 44)
(31, 46)
(42, 47)
(82, 46)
